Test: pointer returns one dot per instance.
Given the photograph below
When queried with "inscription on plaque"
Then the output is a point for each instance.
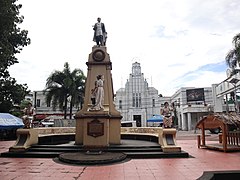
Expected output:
(95, 128)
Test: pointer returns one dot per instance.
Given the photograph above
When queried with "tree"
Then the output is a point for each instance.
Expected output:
(12, 40)
(233, 56)
(11, 93)
(77, 89)
(65, 86)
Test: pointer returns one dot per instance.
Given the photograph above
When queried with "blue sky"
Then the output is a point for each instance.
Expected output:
(191, 76)
(178, 43)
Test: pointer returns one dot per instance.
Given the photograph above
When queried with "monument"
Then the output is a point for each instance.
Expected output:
(98, 123)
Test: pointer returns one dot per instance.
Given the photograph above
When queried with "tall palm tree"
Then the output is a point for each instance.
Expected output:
(233, 56)
(65, 85)
(77, 89)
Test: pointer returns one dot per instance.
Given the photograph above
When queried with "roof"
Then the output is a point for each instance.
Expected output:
(9, 121)
(155, 118)
(217, 119)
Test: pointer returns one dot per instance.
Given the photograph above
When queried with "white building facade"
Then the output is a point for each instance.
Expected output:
(44, 109)
(137, 101)
(191, 105)
(226, 94)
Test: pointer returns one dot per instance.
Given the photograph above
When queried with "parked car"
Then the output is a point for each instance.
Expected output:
(215, 131)
(218, 130)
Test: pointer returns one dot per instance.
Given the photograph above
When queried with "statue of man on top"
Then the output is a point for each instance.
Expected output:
(100, 34)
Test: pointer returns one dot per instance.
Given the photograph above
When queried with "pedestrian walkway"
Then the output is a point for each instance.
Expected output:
(135, 169)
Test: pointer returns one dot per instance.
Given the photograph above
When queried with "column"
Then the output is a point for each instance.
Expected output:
(184, 122)
(189, 118)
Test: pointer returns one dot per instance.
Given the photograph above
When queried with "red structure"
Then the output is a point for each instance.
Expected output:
(229, 139)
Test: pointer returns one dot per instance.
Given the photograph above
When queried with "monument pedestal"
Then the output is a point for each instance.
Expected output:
(98, 128)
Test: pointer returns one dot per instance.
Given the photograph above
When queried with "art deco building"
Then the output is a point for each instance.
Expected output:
(137, 101)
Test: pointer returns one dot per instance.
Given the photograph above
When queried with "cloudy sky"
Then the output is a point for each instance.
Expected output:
(179, 43)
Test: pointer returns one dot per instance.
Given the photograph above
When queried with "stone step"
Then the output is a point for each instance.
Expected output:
(159, 154)
(30, 154)
(64, 149)
(109, 147)
(53, 154)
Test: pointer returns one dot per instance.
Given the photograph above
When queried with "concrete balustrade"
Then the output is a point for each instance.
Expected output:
(55, 130)
(124, 130)
(165, 137)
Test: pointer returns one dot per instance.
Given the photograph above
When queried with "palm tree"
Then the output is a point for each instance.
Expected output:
(233, 56)
(64, 86)
(77, 89)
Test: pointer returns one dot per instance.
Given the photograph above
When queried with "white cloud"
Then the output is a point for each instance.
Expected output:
(169, 38)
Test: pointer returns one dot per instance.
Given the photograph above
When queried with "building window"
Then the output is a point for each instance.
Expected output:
(140, 100)
(48, 104)
(38, 102)
(120, 104)
(133, 103)
(153, 102)
(137, 102)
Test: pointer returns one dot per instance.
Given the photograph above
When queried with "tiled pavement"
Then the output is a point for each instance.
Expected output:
(142, 169)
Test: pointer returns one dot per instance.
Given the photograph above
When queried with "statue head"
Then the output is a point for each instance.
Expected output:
(99, 77)
(29, 104)
(166, 104)
(99, 19)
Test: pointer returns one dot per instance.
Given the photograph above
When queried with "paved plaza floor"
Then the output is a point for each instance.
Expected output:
(143, 169)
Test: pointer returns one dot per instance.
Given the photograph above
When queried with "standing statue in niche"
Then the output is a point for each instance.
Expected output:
(99, 94)
(100, 34)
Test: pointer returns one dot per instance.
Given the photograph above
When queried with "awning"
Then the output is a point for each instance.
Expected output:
(155, 118)
(9, 121)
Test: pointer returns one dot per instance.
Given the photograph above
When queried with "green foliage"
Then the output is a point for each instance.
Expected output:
(24, 104)
(65, 86)
(11, 93)
(12, 40)
(233, 56)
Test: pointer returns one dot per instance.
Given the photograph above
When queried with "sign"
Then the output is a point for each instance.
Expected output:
(95, 128)
(195, 94)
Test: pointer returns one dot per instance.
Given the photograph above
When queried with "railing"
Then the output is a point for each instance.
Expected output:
(124, 130)
(143, 130)
(233, 138)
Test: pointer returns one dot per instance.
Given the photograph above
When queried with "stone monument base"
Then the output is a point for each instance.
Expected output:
(97, 130)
